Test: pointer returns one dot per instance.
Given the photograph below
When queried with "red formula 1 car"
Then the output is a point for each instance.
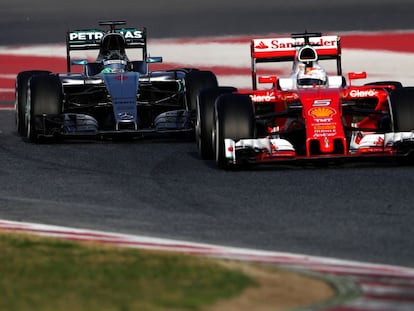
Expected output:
(309, 115)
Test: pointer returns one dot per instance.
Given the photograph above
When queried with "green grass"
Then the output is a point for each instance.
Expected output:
(51, 274)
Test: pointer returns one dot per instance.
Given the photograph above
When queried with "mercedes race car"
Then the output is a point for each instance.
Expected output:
(112, 95)
(307, 115)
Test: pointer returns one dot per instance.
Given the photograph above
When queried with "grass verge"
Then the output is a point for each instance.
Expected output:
(38, 273)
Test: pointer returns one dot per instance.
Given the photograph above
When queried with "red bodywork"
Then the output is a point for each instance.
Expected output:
(322, 114)
(327, 118)
(323, 118)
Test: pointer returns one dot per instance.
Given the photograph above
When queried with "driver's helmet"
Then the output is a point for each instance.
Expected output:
(114, 66)
(311, 75)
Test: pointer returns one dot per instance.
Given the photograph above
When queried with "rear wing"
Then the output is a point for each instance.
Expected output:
(90, 39)
(285, 49)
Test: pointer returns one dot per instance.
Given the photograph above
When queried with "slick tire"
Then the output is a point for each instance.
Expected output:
(21, 88)
(205, 119)
(45, 98)
(402, 109)
(195, 81)
(234, 119)
(402, 112)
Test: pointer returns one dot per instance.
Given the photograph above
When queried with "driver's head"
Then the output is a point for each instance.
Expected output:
(309, 76)
(114, 66)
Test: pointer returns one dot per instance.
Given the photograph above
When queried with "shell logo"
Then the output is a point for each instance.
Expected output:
(322, 112)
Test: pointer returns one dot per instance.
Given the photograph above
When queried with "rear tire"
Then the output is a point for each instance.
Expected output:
(205, 119)
(45, 98)
(21, 88)
(234, 119)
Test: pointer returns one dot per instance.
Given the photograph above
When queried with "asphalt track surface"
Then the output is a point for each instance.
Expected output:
(46, 21)
(161, 188)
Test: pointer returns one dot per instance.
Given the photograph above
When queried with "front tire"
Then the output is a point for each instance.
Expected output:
(233, 119)
(45, 98)
(21, 89)
(195, 81)
(205, 119)
(402, 116)
(402, 109)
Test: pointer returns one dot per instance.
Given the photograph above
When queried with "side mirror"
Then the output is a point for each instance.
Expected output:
(81, 62)
(154, 59)
(268, 79)
(356, 75)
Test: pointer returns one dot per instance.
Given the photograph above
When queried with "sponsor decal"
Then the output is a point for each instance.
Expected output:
(125, 116)
(261, 45)
(326, 141)
(121, 77)
(131, 34)
(268, 97)
(363, 93)
(282, 44)
(322, 102)
(379, 141)
(290, 43)
(325, 42)
(98, 35)
(358, 137)
(323, 134)
(324, 127)
(86, 35)
(322, 112)
(324, 130)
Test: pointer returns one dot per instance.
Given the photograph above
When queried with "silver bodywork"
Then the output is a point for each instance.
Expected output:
(110, 95)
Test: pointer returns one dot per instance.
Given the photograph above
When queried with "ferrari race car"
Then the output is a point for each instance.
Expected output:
(112, 95)
(308, 115)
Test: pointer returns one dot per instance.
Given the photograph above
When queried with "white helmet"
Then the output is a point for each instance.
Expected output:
(309, 76)
(114, 65)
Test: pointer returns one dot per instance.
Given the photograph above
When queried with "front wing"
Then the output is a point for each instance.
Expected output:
(274, 150)
(82, 125)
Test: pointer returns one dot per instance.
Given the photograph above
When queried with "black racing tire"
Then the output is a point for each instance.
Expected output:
(396, 84)
(21, 88)
(205, 119)
(195, 81)
(233, 118)
(402, 109)
(45, 98)
(402, 119)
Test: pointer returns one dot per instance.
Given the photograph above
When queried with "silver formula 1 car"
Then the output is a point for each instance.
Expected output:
(113, 95)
